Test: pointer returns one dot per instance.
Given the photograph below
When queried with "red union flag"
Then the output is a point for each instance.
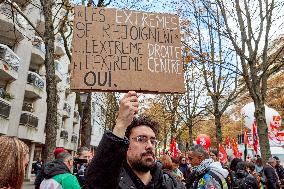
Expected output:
(222, 154)
(235, 148)
(173, 148)
(255, 137)
(228, 144)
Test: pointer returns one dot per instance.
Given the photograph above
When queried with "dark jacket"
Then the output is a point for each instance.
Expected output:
(280, 171)
(39, 178)
(109, 170)
(184, 169)
(244, 180)
(271, 177)
(49, 170)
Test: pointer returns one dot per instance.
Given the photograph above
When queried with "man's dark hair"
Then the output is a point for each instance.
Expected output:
(197, 148)
(82, 149)
(259, 162)
(142, 120)
(234, 162)
(215, 152)
(277, 158)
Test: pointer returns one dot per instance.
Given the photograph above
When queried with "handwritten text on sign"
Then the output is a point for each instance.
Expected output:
(121, 50)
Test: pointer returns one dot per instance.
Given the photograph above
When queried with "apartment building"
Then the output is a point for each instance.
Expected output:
(22, 83)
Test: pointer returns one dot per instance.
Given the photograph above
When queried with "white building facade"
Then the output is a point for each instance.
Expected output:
(22, 83)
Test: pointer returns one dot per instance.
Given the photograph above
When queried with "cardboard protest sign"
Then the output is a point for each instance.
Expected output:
(122, 50)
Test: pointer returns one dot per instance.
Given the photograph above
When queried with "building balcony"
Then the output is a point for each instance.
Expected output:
(38, 51)
(29, 119)
(12, 24)
(35, 86)
(66, 110)
(64, 134)
(74, 138)
(76, 117)
(58, 71)
(5, 107)
(9, 64)
(59, 47)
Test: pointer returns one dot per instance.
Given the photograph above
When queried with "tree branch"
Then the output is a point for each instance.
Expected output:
(15, 6)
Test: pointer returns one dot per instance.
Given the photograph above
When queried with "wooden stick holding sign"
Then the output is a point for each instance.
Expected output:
(122, 50)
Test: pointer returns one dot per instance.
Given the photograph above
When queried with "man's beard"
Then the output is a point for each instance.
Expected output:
(143, 164)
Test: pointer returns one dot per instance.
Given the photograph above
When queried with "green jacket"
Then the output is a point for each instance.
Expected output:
(61, 181)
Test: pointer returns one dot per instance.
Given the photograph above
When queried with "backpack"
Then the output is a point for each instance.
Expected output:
(223, 183)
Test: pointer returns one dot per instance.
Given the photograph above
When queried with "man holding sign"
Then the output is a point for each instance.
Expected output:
(125, 158)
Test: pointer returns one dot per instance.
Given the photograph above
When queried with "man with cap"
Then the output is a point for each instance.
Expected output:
(57, 151)
(57, 173)
(39, 178)
(279, 170)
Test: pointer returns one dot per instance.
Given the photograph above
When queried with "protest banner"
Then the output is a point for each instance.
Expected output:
(122, 50)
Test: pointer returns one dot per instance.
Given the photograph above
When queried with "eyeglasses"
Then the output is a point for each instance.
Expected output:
(144, 139)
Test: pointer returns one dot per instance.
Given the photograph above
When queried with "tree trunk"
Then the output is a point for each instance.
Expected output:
(190, 134)
(262, 131)
(112, 109)
(218, 129)
(51, 90)
(87, 123)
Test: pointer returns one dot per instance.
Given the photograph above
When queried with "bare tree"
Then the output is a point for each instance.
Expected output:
(211, 56)
(193, 103)
(254, 20)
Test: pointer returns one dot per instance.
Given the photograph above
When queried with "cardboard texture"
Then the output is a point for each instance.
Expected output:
(122, 50)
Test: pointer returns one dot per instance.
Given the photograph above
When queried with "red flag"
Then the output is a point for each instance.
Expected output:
(228, 144)
(254, 136)
(245, 137)
(222, 154)
(235, 148)
(173, 148)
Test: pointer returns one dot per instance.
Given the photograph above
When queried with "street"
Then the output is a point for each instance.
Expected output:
(28, 185)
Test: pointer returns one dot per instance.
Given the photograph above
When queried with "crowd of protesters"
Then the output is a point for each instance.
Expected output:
(125, 159)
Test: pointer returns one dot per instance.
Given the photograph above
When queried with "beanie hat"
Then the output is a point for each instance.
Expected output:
(58, 151)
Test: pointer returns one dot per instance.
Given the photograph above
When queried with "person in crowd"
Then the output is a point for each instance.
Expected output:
(251, 170)
(57, 173)
(166, 163)
(177, 173)
(279, 170)
(271, 179)
(81, 164)
(214, 155)
(125, 157)
(244, 180)
(207, 173)
(168, 167)
(233, 170)
(183, 166)
(39, 177)
(259, 165)
(14, 157)
(36, 167)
